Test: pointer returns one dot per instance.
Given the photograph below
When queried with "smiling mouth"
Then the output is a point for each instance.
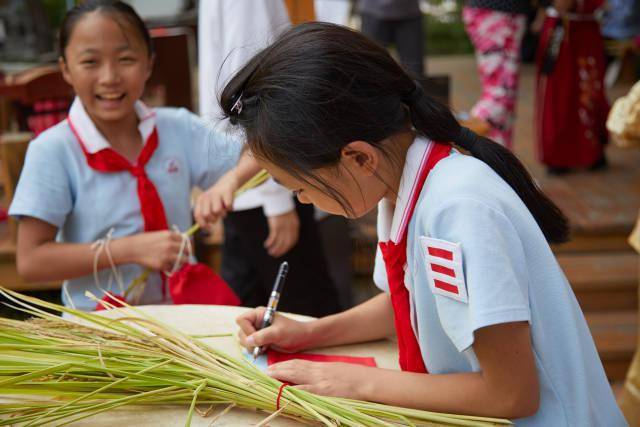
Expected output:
(111, 97)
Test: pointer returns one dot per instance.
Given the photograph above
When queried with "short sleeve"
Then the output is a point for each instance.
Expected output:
(493, 267)
(211, 151)
(380, 272)
(44, 189)
(277, 200)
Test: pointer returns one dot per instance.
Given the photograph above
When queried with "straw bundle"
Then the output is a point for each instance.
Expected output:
(102, 364)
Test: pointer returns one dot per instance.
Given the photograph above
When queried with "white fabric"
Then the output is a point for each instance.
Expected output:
(511, 276)
(334, 11)
(92, 139)
(230, 32)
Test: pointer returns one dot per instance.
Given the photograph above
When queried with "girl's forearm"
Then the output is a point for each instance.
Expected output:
(460, 393)
(246, 168)
(368, 321)
(52, 261)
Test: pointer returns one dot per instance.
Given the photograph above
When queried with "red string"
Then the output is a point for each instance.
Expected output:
(280, 395)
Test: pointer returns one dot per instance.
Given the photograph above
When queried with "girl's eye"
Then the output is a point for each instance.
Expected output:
(88, 62)
(127, 59)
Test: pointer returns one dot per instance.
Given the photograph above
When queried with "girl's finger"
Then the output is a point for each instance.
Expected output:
(307, 387)
(227, 200)
(197, 214)
(292, 371)
(242, 339)
(249, 321)
(264, 337)
(270, 240)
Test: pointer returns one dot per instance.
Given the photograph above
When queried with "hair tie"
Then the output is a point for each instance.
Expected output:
(466, 138)
(415, 94)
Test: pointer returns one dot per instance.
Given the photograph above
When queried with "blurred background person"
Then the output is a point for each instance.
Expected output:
(396, 23)
(571, 106)
(495, 28)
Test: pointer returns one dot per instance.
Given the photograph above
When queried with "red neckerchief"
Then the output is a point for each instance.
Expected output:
(108, 160)
(395, 258)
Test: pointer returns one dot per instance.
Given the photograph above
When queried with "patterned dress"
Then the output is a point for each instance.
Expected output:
(495, 28)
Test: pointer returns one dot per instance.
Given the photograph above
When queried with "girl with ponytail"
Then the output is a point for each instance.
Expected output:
(486, 321)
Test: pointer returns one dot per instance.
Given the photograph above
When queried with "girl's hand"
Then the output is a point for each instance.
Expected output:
(214, 203)
(284, 334)
(157, 250)
(328, 379)
(283, 233)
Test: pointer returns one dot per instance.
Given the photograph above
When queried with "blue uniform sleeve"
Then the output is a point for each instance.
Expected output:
(492, 263)
(44, 189)
(211, 152)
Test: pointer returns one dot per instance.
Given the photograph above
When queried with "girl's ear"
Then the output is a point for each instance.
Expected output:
(360, 156)
(64, 68)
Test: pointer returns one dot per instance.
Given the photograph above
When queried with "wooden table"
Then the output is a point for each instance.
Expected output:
(207, 320)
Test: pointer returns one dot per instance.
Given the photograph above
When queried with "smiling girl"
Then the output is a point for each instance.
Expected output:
(114, 164)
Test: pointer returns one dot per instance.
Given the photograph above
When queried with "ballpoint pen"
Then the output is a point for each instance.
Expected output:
(272, 305)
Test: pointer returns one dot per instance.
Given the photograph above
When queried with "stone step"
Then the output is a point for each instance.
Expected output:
(616, 336)
(603, 281)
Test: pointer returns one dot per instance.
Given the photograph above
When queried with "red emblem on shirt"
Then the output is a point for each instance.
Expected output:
(444, 268)
(173, 166)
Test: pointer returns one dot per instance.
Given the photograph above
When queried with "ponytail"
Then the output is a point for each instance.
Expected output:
(435, 121)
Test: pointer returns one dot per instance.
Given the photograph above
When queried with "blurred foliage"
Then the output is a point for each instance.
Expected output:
(444, 29)
(55, 10)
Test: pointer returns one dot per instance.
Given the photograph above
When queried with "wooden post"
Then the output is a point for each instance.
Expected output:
(300, 11)
(13, 148)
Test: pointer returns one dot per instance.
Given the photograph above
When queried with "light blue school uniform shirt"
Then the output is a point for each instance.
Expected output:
(510, 275)
(57, 186)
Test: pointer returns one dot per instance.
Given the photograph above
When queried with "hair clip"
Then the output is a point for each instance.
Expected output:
(237, 106)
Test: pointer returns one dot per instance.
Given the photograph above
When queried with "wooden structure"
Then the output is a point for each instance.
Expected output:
(13, 148)
(170, 83)
(26, 88)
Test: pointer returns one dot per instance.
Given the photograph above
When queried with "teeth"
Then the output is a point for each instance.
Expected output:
(110, 96)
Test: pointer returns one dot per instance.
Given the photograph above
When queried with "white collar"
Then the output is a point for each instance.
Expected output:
(91, 137)
(392, 227)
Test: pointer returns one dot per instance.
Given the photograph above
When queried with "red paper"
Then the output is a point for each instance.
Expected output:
(277, 357)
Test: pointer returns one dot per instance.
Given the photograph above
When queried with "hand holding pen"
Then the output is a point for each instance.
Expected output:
(272, 305)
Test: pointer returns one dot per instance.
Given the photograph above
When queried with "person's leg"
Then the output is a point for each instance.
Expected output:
(336, 241)
(309, 289)
(409, 41)
(496, 37)
(237, 268)
(376, 29)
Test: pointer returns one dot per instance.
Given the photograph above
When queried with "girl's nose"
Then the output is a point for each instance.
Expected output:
(109, 74)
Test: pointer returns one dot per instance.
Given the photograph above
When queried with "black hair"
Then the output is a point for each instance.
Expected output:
(321, 86)
(108, 6)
